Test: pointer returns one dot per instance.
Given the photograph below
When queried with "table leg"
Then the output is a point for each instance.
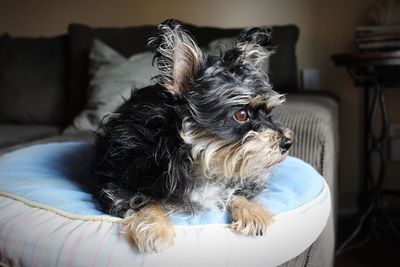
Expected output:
(371, 210)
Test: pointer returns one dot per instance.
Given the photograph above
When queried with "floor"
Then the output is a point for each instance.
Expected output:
(372, 254)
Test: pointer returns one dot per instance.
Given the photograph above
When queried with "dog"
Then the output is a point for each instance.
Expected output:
(202, 137)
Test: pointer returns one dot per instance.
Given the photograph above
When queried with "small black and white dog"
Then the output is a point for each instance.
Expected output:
(203, 137)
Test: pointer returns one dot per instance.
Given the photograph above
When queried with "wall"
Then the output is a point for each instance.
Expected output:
(326, 28)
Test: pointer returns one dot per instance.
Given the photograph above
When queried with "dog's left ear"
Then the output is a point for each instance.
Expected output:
(177, 56)
(251, 46)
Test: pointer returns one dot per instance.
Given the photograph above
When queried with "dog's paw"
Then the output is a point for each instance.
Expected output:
(249, 218)
(150, 229)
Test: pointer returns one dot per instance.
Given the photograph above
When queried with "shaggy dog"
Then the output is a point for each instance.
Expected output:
(203, 137)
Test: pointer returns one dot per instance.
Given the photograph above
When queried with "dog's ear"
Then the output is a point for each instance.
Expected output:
(251, 46)
(177, 56)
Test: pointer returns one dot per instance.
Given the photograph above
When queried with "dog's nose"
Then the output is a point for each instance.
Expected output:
(285, 144)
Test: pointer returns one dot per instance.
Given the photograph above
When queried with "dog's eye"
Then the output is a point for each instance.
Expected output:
(241, 115)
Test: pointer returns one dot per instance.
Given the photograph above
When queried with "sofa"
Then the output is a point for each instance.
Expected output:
(44, 87)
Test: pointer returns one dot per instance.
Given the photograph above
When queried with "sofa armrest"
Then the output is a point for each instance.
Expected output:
(314, 120)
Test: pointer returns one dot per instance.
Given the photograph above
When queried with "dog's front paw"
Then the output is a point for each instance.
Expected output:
(150, 229)
(249, 218)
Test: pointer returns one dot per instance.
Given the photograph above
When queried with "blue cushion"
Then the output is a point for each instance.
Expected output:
(52, 174)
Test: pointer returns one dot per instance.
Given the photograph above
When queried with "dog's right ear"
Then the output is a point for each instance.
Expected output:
(177, 56)
(251, 46)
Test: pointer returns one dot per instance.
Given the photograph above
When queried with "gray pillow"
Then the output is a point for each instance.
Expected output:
(113, 77)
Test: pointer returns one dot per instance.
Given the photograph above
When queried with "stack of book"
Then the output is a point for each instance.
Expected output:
(378, 37)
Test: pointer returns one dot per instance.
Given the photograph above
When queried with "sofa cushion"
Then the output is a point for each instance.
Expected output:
(113, 79)
(33, 78)
(131, 40)
(16, 134)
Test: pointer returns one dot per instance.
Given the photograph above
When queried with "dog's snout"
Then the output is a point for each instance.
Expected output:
(285, 144)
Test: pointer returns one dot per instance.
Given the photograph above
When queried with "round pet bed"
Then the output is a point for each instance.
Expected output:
(48, 219)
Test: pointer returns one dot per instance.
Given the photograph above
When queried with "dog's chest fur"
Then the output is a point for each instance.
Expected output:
(216, 194)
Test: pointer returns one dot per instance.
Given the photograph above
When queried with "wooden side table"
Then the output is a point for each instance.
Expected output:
(373, 71)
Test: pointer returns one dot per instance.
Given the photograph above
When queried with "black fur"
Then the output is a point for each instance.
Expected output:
(139, 152)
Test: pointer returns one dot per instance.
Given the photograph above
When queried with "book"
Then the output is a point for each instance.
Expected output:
(365, 30)
(378, 37)
(380, 45)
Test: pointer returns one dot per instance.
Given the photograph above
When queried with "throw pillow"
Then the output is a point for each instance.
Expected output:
(127, 41)
(33, 79)
(113, 79)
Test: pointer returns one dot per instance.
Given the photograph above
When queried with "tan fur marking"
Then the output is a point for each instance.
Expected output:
(275, 100)
(186, 61)
(249, 218)
(267, 102)
(254, 53)
(288, 133)
(257, 101)
(149, 228)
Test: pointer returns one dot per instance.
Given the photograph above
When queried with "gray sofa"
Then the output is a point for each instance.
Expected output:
(43, 86)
